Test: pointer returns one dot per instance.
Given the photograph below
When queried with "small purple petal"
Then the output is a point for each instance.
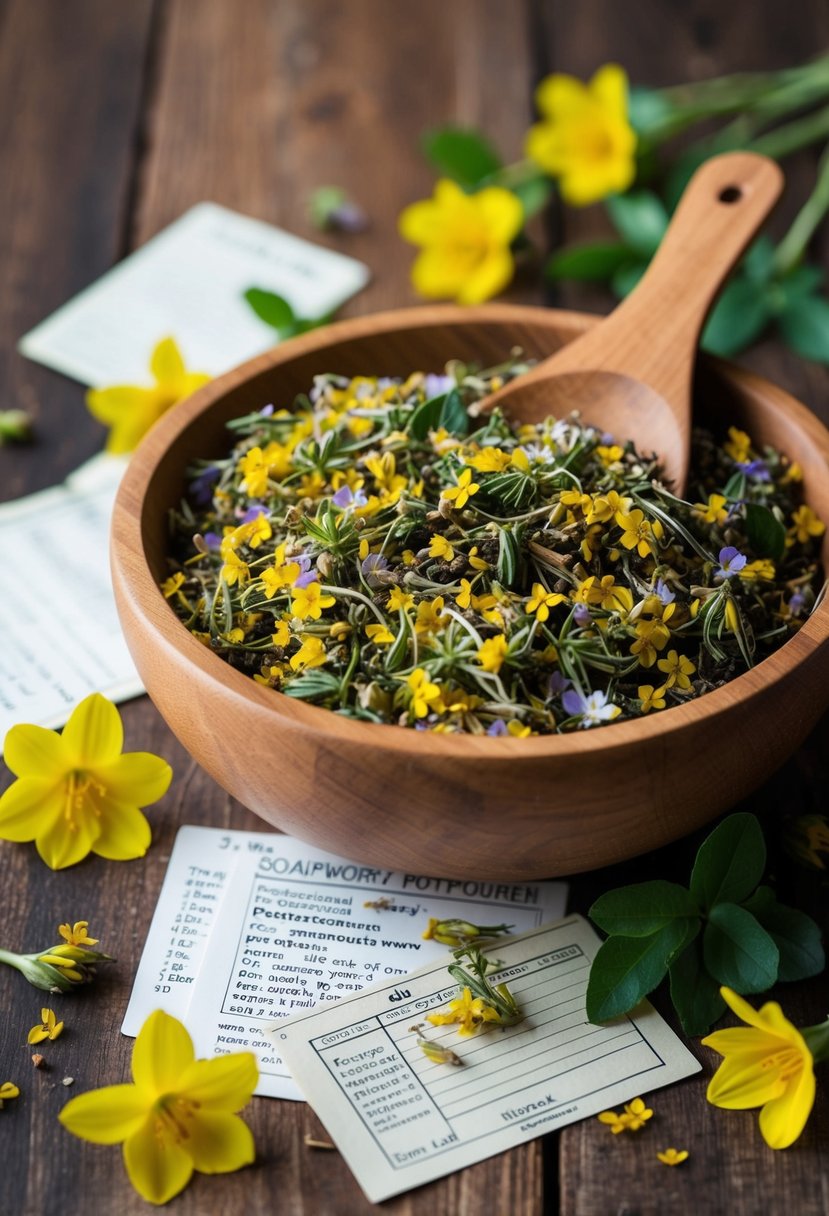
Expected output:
(252, 514)
(374, 562)
(664, 592)
(435, 385)
(266, 411)
(558, 684)
(582, 617)
(731, 562)
(201, 488)
(343, 497)
(307, 577)
(796, 603)
(607, 439)
(212, 540)
(573, 702)
(758, 469)
(498, 727)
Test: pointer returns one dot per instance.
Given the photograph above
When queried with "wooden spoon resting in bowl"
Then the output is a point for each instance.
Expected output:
(631, 375)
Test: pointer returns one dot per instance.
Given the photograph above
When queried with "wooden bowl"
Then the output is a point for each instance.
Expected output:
(458, 806)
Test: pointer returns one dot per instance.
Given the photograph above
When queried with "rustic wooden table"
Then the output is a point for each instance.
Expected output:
(115, 119)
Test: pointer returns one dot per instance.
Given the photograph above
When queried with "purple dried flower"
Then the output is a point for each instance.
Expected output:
(266, 411)
(307, 574)
(558, 684)
(201, 488)
(434, 385)
(664, 592)
(498, 727)
(345, 497)
(758, 469)
(797, 603)
(581, 615)
(253, 512)
(212, 540)
(731, 562)
(593, 708)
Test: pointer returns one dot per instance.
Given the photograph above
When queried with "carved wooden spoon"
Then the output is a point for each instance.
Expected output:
(631, 374)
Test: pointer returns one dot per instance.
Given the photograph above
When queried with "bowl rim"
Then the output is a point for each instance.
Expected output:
(135, 585)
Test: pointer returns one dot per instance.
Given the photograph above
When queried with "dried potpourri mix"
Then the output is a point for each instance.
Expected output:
(385, 552)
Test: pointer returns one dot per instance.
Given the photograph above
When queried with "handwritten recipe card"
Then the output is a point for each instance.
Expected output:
(287, 927)
(401, 1120)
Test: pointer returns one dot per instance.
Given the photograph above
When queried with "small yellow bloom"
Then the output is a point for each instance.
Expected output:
(476, 562)
(423, 694)
(311, 653)
(282, 634)
(261, 465)
(713, 511)
(75, 792)
(793, 473)
(615, 1121)
(605, 593)
(638, 533)
(767, 1063)
(463, 491)
(738, 445)
(130, 410)
(8, 1090)
(678, 670)
(575, 498)
(439, 546)
(399, 600)
(609, 455)
(465, 242)
(77, 935)
(585, 139)
(651, 698)
(542, 600)
(672, 1156)
(489, 460)
(379, 635)
(179, 1114)
(492, 653)
(638, 1114)
(763, 568)
(805, 525)
(605, 507)
(308, 602)
(430, 616)
(471, 1013)
(48, 1028)
(234, 569)
(171, 585)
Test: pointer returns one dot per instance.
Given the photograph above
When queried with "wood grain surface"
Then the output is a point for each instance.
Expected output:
(113, 120)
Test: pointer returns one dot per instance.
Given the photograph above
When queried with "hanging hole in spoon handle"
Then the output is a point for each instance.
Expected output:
(730, 194)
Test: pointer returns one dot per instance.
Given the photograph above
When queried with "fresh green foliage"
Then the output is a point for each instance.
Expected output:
(724, 930)
(275, 310)
(465, 155)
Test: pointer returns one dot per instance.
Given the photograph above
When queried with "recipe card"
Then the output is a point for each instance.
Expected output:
(61, 636)
(401, 1120)
(189, 281)
(286, 926)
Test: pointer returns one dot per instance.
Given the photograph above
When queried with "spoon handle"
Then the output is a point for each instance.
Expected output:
(653, 334)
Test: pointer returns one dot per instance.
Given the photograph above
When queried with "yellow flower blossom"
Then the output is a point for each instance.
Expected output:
(585, 139)
(609, 455)
(492, 653)
(462, 492)
(678, 670)
(489, 460)
(575, 498)
(234, 570)
(605, 507)
(75, 792)
(259, 466)
(439, 546)
(430, 616)
(713, 511)
(384, 471)
(616, 1122)
(793, 473)
(8, 1090)
(77, 934)
(651, 698)
(517, 729)
(637, 1113)
(605, 592)
(282, 634)
(805, 525)
(379, 635)
(409, 557)
(423, 694)
(672, 1156)
(48, 1028)
(639, 533)
(738, 445)
(470, 1013)
(308, 602)
(171, 585)
(311, 653)
(541, 601)
(178, 1115)
(281, 574)
(130, 410)
(767, 1063)
(476, 562)
(651, 636)
(465, 242)
(763, 568)
(399, 600)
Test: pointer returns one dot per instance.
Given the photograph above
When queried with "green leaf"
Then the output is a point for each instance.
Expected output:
(595, 262)
(642, 909)
(465, 155)
(626, 278)
(737, 319)
(533, 193)
(765, 533)
(730, 862)
(508, 557)
(805, 326)
(425, 418)
(758, 261)
(696, 997)
(272, 309)
(453, 415)
(626, 969)
(802, 282)
(738, 951)
(795, 934)
(735, 487)
(649, 110)
(640, 218)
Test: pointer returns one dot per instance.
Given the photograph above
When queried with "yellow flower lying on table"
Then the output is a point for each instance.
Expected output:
(585, 139)
(469, 1012)
(8, 1090)
(634, 1116)
(49, 1028)
(60, 968)
(767, 1063)
(129, 410)
(179, 1114)
(75, 792)
(465, 240)
(672, 1156)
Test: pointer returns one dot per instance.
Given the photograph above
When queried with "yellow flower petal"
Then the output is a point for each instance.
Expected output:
(420, 223)
(610, 86)
(162, 1052)
(783, 1119)
(166, 363)
(111, 405)
(138, 778)
(502, 211)
(489, 277)
(124, 834)
(94, 734)
(33, 751)
(741, 1082)
(105, 1116)
(60, 846)
(220, 1143)
(157, 1167)
(36, 1035)
(560, 95)
(223, 1085)
(27, 805)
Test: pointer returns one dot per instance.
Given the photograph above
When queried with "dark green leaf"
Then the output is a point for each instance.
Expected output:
(453, 415)
(649, 110)
(805, 326)
(642, 909)
(465, 155)
(533, 193)
(313, 686)
(758, 262)
(795, 934)
(626, 969)
(595, 262)
(801, 282)
(626, 278)
(730, 862)
(735, 487)
(272, 309)
(737, 319)
(425, 418)
(696, 997)
(640, 218)
(765, 533)
(508, 557)
(738, 951)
